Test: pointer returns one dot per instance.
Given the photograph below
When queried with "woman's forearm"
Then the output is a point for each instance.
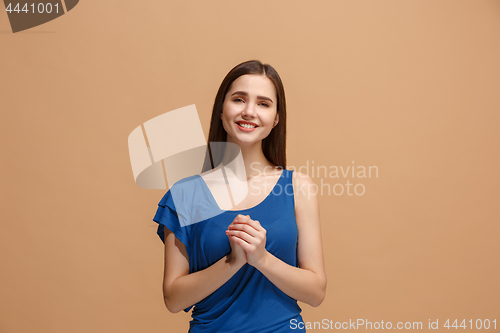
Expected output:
(301, 284)
(189, 289)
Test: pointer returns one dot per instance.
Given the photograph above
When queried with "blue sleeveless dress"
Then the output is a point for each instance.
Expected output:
(248, 302)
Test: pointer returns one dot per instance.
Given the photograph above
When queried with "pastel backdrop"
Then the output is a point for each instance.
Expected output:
(410, 87)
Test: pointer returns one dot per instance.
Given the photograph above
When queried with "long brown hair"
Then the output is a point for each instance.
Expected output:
(274, 145)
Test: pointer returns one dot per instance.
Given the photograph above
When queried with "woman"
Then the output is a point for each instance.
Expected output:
(245, 268)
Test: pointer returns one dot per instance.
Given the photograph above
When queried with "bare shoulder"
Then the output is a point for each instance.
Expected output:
(302, 185)
(305, 191)
(300, 178)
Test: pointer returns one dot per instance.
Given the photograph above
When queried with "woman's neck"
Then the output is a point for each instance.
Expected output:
(254, 160)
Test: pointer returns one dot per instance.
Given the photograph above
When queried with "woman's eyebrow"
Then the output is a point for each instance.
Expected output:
(244, 93)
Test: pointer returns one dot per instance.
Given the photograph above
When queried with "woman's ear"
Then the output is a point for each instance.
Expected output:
(276, 120)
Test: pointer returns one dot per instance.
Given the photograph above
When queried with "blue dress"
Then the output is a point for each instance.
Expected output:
(248, 302)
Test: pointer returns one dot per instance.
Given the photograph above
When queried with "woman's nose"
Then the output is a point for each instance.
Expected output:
(249, 110)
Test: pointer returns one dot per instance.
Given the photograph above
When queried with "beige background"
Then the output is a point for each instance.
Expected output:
(408, 86)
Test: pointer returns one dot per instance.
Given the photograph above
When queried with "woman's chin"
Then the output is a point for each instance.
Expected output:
(244, 141)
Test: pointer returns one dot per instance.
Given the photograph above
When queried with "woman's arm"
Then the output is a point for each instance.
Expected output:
(181, 289)
(307, 283)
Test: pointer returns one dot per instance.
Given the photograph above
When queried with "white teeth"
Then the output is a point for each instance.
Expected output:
(246, 125)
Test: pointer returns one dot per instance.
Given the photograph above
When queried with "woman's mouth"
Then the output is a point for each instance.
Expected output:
(246, 126)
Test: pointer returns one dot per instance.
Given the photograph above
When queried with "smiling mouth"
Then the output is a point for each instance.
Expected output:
(246, 125)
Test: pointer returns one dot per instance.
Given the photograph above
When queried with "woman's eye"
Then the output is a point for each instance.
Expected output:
(238, 100)
(265, 104)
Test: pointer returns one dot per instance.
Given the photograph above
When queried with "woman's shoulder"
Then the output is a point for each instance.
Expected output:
(303, 188)
(300, 179)
(183, 181)
(180, 189)
(305, 198)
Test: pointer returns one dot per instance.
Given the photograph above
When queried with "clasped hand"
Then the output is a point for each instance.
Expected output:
(248, 240)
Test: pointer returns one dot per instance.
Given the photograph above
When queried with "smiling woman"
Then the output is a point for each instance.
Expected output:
(247, 109)
(244, 269)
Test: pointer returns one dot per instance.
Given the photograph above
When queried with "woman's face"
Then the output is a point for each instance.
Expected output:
(249, 111)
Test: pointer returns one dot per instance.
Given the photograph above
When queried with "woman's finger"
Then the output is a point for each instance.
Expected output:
(242, 226)
(241, 235)
(253, 223)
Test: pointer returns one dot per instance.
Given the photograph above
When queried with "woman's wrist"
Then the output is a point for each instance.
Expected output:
(233, 263)
(263, 262)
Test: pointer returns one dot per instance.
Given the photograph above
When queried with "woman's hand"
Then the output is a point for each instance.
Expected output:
(250, 236)
(237, 256)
